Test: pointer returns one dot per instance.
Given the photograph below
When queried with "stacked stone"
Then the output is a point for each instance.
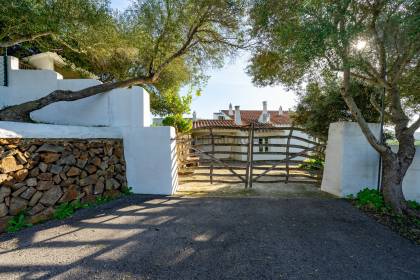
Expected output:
(36, 175)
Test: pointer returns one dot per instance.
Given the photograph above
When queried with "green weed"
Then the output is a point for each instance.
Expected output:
(17, 223)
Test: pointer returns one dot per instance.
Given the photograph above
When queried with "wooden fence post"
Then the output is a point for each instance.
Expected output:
(251, 163)
(212, 153)
(288, 154)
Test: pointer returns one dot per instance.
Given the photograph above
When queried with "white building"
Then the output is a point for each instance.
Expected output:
(235, 122)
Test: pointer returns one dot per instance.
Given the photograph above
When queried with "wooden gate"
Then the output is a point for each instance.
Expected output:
(253, 154)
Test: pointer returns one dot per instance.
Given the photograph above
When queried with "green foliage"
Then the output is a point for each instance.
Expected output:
(297, 41)
(181, 125)
(321, 104)
(413, 204)
(17, 223)
(103, 199)
(370, 198)
(312, 164)
(127, 190)
(63, 211)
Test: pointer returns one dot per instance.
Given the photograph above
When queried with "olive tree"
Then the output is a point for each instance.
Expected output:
(161, 43)
(376, 42)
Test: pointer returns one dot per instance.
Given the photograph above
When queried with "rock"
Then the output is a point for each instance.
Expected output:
(35, 198)
(43, 167)
(28, 193)
(68, 182)
(36, 209)
(112, 184)
(81, 163)
(70, 194)
(99, 188)
(45, 176)
(50, 157)
(68, 160)
(21, 175)
(91, 169)
(104, 165)
(34, 172)
(17, 186)
(88, 190)
(83, 174)
(4, 178)
(50, 148)
(90, 180)
(44, 185)
(20, 157)
(32, 149)
(73, 171)
(112, 193)
(4, 192)
(41, 217)
(3, 210)
(9, 164)
(96, 161)
(57, 179)
(4, 223)
(51, 196)
(89, 199)
(63, 176)
(17, 204)
(56, 169)
(31, 182)
(19, 191)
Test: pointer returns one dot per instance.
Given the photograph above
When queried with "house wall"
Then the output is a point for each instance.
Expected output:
(351, 164)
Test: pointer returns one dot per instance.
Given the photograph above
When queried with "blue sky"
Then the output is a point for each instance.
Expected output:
(232, 84)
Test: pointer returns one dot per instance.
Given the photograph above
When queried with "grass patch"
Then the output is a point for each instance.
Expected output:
(371, 202)
(17, 223)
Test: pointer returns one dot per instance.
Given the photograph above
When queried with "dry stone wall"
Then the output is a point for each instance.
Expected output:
(38, 174)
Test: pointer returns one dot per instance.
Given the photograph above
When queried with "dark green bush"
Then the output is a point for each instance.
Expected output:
(413, 204)
(370, 198)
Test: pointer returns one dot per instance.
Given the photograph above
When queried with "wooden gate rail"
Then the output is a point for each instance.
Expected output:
(287, 169)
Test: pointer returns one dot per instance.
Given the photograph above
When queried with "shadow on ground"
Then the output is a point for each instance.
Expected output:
(143, 237)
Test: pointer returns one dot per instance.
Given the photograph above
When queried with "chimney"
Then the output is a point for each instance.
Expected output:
(265, 115)
(194, 117)
(265, 112)
(230, 109)
(280, 110)
(237, 116)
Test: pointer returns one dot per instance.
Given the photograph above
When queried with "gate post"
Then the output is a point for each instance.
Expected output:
(288, 154)
(251, 161)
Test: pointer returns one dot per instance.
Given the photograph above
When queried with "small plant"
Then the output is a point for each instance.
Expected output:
(63, 211)
(312, 164)
(413, 204)
(370, 198)
(127, 190)
(103, 199)
(78, 205)
(17, 223)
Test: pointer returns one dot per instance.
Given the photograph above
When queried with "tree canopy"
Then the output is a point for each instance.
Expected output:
(376, 42)
(171, 43)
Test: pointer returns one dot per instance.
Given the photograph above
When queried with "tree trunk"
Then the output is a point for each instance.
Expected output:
(395, 166)
(22, 112)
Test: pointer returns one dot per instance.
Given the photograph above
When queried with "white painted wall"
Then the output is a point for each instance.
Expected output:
(119, 107)
(351, 164)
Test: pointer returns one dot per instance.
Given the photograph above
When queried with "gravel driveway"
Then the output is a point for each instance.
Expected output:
(140, 237)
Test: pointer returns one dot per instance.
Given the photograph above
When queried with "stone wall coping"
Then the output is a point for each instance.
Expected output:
(50, 131)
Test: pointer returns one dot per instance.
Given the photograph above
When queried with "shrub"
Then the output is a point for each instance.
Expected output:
(103, 199)
(370, 198)
(413, 204)
(312, 164)
(17, 223)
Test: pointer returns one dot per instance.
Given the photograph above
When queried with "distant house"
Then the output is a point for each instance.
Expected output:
(235, 122)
